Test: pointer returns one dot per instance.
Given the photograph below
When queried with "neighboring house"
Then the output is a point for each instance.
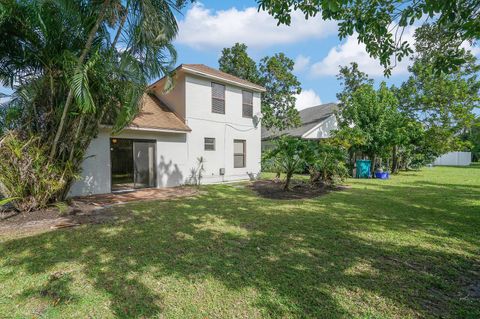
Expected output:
(316, 123)
(207, 114)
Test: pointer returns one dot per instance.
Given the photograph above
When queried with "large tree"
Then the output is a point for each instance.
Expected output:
(443, 102)
(236, 61)
(74, 65)
(278, 103)
(366, 121)
(381, 24)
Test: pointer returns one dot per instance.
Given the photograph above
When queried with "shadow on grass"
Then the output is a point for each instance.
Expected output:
(297, 258)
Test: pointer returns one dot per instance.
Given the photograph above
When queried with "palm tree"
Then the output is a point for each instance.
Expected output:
(78, 64)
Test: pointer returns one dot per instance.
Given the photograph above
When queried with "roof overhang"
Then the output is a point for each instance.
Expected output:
(221, 79)
(147, 129)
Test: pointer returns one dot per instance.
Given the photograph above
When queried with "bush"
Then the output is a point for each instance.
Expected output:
(27, 174)
(326, 163)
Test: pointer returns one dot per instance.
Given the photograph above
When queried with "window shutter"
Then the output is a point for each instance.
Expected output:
(218, 98)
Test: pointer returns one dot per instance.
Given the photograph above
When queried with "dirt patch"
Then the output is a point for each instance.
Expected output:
(299, 190)
(94, 209)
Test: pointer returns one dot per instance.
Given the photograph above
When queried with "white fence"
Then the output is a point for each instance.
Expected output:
(454, 159)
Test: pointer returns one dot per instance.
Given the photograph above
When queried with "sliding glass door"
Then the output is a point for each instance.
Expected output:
(132, 164)
(144, 162)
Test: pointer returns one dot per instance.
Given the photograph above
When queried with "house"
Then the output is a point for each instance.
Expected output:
(316, 123)
(207, 114)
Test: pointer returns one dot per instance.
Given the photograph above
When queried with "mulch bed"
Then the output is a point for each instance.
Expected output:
(93, 209)
(298, 190)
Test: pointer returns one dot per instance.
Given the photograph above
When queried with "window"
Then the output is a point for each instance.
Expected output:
(209, 144)
(218, 98)
(247, 104)
(239, 148)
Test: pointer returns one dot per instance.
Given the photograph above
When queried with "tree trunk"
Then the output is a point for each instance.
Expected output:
(286, 187)
(394, 160)
(86, 50)
(120, 28)
(372, 166)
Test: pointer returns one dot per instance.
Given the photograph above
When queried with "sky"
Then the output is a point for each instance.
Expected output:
(207, 26)
(210, 25)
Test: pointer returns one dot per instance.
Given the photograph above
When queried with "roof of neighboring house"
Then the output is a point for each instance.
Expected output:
(211, 73)
(309, 118)
(157, 116)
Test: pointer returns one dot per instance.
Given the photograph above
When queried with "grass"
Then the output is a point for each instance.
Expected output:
(404, 248)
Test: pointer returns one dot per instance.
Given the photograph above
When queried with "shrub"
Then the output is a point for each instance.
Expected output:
(288, 156)
(27, 174)
(326, 163)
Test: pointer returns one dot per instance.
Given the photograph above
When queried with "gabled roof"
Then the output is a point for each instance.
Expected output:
(310, 118)
(206, 71)
(155, 115)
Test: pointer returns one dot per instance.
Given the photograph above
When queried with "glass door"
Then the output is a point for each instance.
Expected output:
(144, 164)
(121, 157)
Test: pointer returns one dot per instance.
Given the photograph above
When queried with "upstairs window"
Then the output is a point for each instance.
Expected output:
(218, 98)
(209, 144)
(247, 104)
(239, 156)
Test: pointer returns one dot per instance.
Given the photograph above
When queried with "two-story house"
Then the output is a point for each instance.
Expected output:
(208, 114)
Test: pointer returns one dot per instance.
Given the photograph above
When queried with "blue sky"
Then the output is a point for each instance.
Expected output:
(210, 25)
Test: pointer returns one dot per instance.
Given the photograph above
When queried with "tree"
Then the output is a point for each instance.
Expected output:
(380, 24)
(443, 102)
(236, 61)
(326, 162)
(365, 120)
(289, 154)
(278, 104)
(351, 78)
(68, 70)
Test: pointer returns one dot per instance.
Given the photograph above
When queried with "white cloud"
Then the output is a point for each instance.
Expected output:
(352, 51)
(206, 28)
(301, 62)
(307, 98)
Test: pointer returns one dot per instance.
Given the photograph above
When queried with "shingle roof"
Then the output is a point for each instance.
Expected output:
(202, 68)
(156, 115)
(309, 117)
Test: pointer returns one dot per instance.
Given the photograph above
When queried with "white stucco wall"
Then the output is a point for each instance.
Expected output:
(223, 127)
(171, 161)
(177, 153)
(323, 130)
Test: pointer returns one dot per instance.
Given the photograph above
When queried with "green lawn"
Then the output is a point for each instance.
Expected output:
(407, 247)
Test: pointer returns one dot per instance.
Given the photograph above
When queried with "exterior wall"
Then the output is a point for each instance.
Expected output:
(323, 130)
(171, 161)
(177, 153)
(454, 159)
(175, 99)
(224, 128)
(95, 171)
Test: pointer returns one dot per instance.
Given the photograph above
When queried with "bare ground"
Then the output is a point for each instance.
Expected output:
(298, 190)
(95, 209)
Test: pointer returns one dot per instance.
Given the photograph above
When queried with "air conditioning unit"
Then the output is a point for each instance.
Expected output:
(222, 171)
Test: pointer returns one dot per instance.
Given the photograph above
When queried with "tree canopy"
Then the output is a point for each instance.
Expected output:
(236, 61)
(380, 24)
(74, 65)
(275, 73)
